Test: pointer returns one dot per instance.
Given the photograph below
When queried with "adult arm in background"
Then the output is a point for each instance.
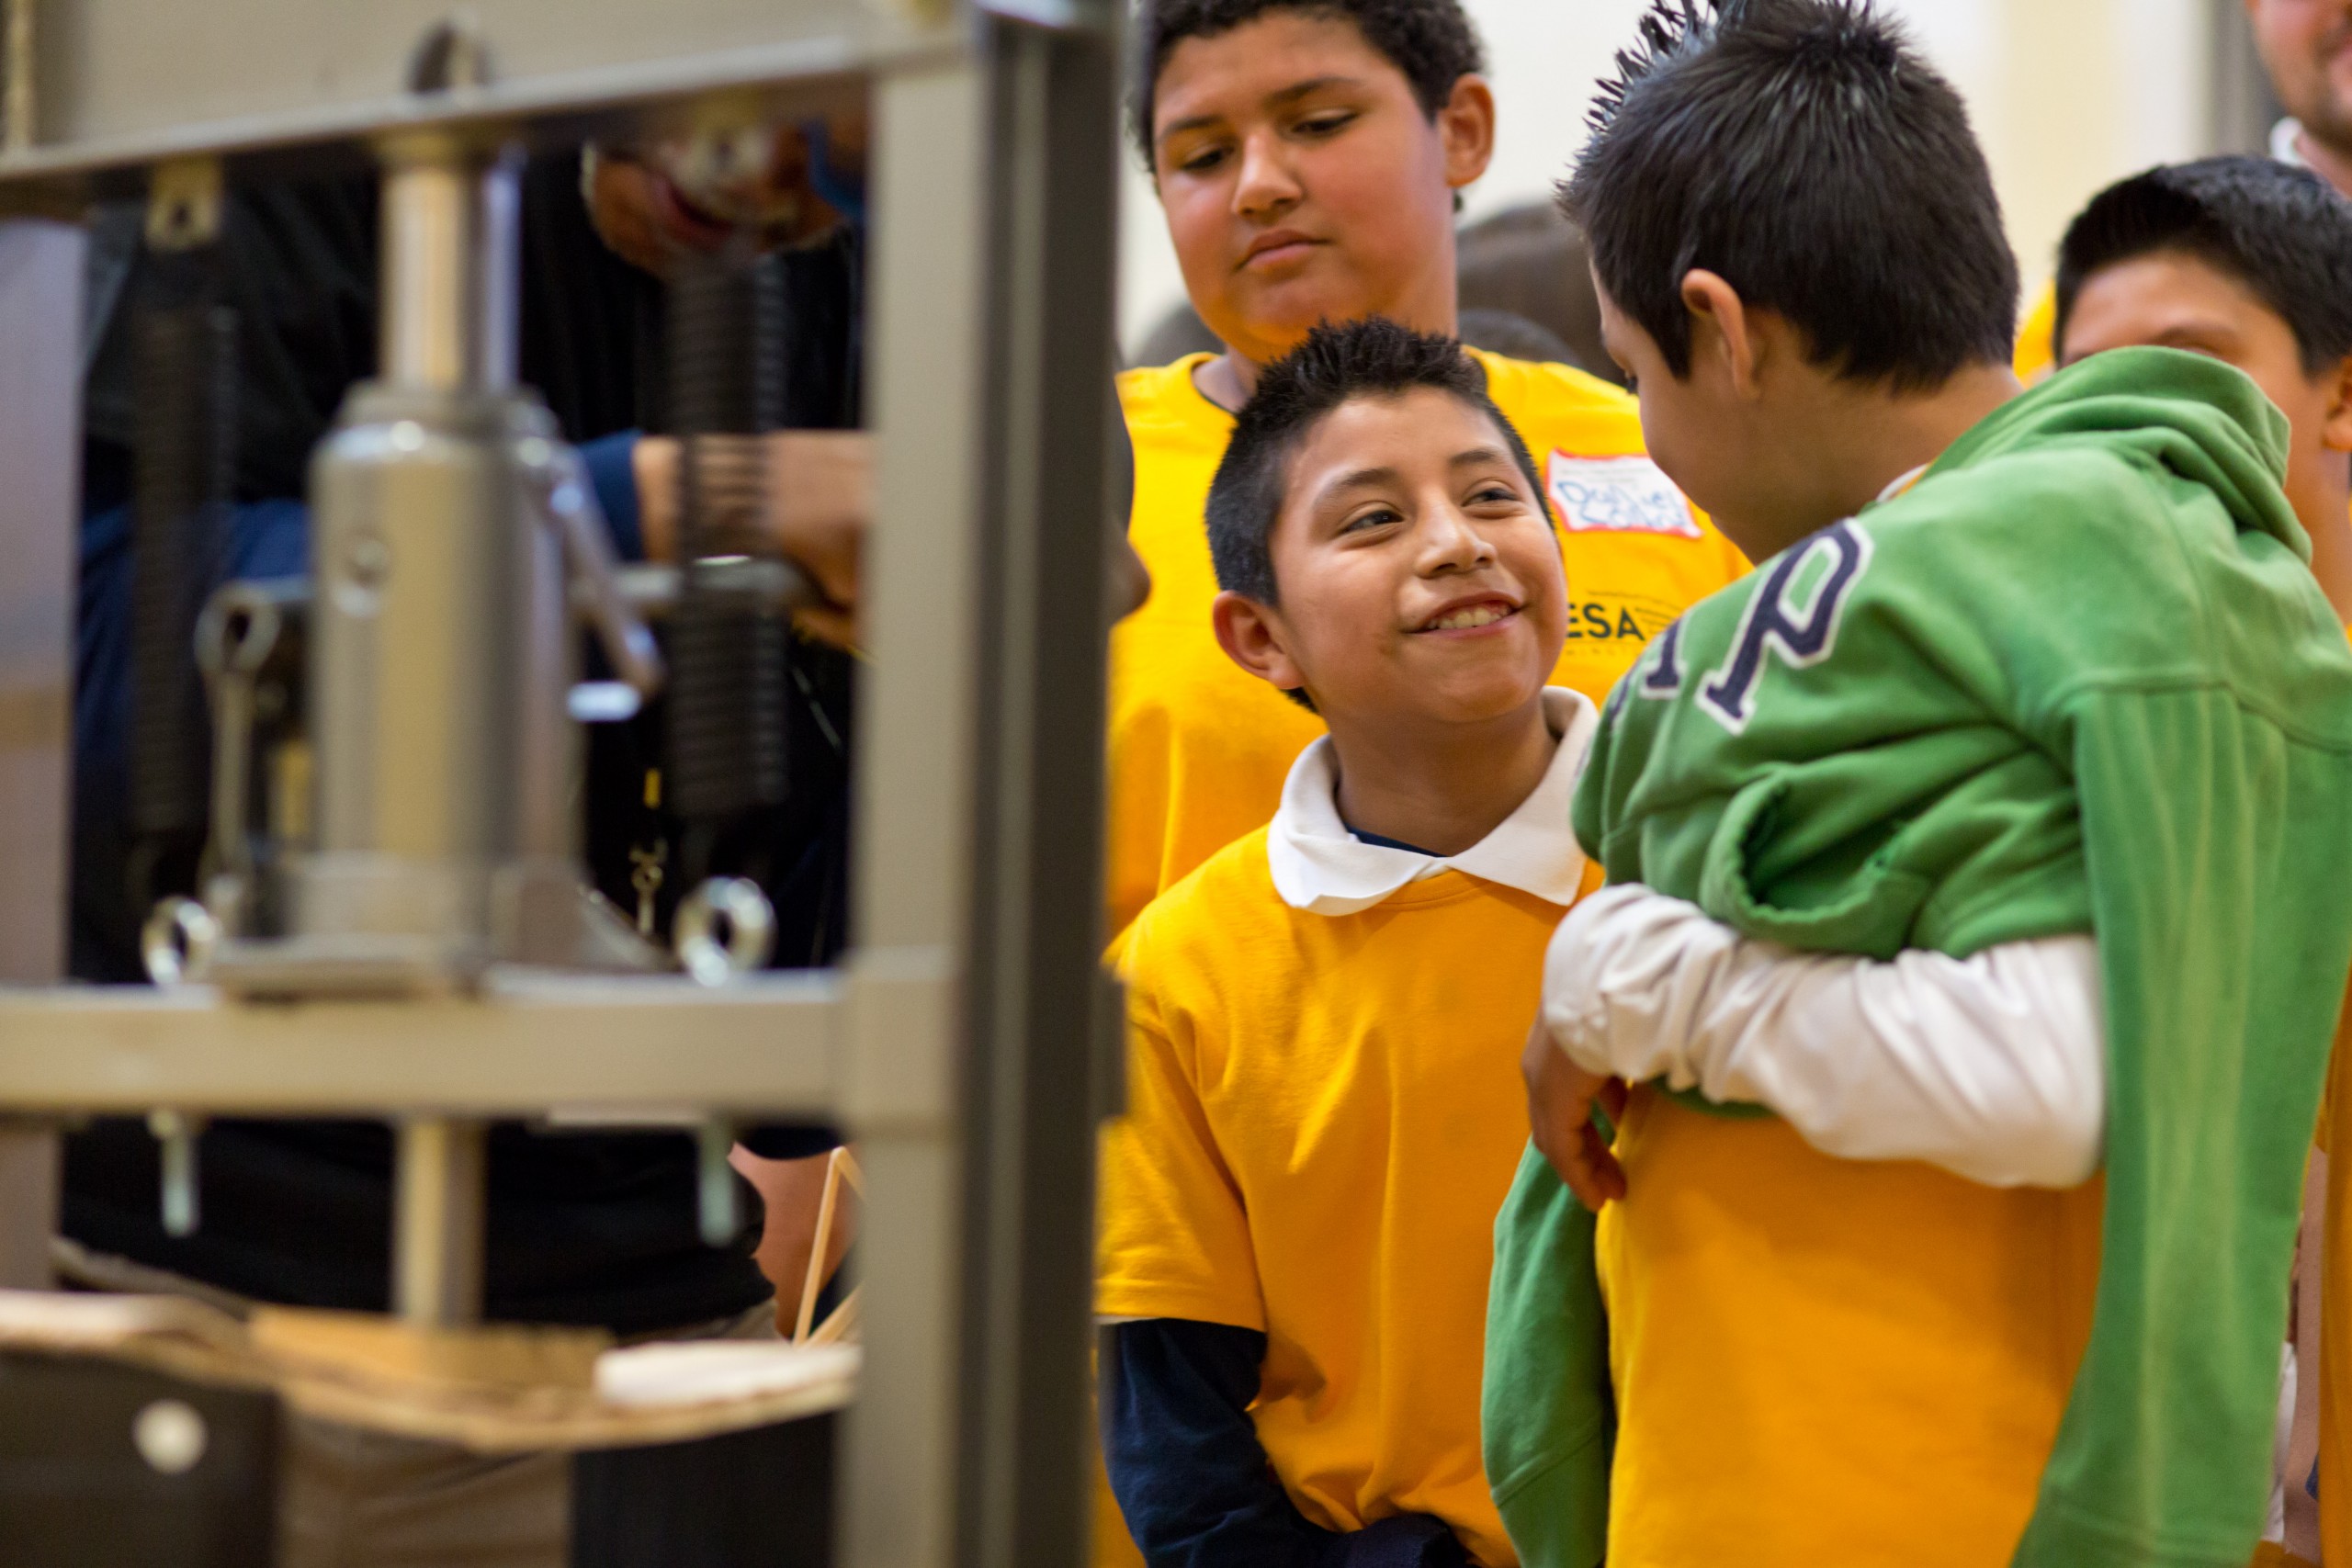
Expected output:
(1992, 1067)
(823, 499)
(1192, 1482)
(819, 500)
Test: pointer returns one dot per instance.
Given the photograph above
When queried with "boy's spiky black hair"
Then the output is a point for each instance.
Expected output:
(1430, 41)
(1375, 358)
(1802, 151)
(2281, 231)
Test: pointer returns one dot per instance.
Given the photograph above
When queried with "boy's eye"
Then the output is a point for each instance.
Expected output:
(1495, 494)
(1325, 123)
(1202, 161)
(1378, 517)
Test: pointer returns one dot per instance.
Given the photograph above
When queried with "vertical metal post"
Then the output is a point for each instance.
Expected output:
(1038, 894)
(19, 105)
(41, 327)
(914, 767)
(438, 1222)
(979, 908)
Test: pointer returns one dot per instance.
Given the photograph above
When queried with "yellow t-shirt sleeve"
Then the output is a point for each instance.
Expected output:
(1175, 1238)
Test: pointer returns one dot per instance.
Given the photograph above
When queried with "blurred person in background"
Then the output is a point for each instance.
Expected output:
(2306, 49)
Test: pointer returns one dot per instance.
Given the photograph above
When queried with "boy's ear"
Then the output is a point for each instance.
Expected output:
(2336, 431)
(1721, 330)
(1253, 636)
(1466, 123)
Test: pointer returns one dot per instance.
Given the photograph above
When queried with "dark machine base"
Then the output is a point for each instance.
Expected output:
(757, 1499)
(76, 1492)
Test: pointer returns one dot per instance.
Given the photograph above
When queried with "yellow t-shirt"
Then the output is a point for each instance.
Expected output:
(2037, 350)
(1830, 1361)
(1199, 750)
(1324, 1115)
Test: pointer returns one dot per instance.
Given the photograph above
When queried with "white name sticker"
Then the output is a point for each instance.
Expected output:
(1616, 495)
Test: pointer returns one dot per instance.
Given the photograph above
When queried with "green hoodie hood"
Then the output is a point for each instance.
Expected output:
(2076, 678)
(2204, 419)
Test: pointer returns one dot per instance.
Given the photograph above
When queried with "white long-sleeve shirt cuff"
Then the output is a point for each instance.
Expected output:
(1992, 1067)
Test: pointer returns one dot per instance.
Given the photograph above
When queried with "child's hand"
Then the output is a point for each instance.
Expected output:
(1560, 1100)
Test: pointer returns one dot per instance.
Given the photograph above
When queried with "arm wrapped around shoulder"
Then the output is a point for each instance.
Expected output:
(1992, 1067)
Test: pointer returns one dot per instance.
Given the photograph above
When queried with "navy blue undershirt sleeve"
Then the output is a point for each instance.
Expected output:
(1194, 1482)
(614, 476)
(1183, 1455)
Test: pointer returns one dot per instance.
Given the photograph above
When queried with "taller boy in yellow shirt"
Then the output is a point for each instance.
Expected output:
(1309, 157)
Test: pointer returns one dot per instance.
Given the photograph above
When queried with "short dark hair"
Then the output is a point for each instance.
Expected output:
(1432, 41)
(1802, 151)
(2281, 231)
(1375, 358)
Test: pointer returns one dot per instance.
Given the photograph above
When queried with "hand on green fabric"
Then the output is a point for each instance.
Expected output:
(1561, 1099)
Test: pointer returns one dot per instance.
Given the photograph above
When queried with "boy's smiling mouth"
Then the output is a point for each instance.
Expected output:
(1470, 614)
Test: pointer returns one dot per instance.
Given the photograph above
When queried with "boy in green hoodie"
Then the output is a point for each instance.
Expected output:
(2012, 670)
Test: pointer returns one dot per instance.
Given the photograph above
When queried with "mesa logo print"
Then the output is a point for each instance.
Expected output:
(1616, 495)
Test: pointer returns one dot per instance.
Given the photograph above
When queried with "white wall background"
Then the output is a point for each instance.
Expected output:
(2067, 96)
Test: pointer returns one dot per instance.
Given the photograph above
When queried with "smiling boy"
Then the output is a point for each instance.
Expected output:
(1323, 1110)
(1308, 158)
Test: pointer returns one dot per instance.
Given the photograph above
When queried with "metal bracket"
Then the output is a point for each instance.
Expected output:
(901, 1072)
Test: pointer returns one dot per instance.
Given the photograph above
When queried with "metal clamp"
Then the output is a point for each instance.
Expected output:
(235, 635)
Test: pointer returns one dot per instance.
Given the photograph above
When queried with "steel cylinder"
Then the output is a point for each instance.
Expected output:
(439, 655)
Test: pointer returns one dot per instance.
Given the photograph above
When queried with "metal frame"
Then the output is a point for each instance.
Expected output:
(960, 1046)
(530, 1045)
(41, 440)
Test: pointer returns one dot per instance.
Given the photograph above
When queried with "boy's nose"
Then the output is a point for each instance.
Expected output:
(1267, 185)
(1451, 542)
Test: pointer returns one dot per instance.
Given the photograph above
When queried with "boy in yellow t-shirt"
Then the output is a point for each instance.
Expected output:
(1307, 157)
(1324, 1108)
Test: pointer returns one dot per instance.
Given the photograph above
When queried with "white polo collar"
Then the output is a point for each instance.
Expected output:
(1320, 867)
(2284, 138)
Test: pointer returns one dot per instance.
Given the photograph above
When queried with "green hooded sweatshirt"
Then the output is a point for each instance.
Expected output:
(2077, 677)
